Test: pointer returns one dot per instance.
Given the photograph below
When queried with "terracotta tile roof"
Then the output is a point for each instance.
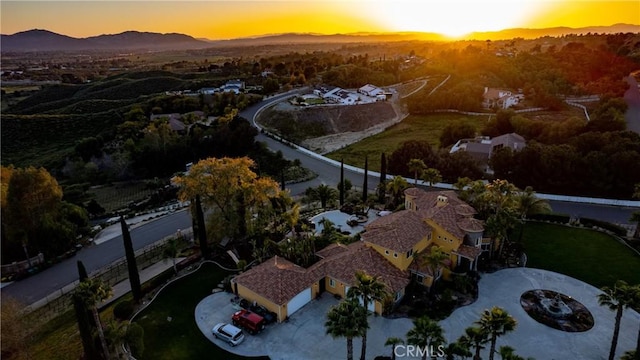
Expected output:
(359, 257)
(332, 249)
(471, 225)
(470, 252)
(279, 280)
(276, 279)
(399, 231)
(446, 210)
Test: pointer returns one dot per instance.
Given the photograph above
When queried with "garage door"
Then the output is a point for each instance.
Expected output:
(298, 301)
(371, 305)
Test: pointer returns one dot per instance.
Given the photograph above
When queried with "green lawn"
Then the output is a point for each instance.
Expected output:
(181, 338)
(414, 127)
(588, 255)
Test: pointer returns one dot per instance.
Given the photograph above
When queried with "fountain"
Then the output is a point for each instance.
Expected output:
(556, 310)
(556, 307)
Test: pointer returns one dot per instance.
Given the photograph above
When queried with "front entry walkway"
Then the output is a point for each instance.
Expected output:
(303, 336)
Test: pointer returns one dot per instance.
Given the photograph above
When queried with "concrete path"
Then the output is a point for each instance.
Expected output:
(145, 274)
(303, 336)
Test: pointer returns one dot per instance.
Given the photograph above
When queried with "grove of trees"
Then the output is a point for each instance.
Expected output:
(35, 219)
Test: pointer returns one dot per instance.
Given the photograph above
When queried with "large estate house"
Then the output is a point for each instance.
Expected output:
(392, 248)
(364, 95)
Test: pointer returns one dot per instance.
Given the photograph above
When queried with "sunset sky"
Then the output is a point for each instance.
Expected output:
(239, 18)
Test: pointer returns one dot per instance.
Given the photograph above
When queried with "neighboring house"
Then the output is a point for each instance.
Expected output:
(175, 120)
(499, 99)
(337, 96)
(235, 86)
(371, 90)
(209, 91)
(482, 147)
(392, 248)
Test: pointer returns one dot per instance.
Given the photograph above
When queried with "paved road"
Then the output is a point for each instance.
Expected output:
(94, 257)
(329, 174)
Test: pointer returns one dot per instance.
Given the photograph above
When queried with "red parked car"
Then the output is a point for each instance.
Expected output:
(249, 321)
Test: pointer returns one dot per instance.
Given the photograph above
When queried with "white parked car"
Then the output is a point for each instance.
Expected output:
(228, 333)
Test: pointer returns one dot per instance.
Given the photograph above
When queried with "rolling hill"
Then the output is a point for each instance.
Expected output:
(44, 40)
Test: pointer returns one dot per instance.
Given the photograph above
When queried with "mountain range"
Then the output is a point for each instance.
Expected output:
(44, 40)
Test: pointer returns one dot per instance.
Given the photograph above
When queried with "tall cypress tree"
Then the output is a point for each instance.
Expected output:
(82, 271)
(202, 229)
(86, 323)
(365, 183)
(383, 177)
(341, 182)
(134, 277)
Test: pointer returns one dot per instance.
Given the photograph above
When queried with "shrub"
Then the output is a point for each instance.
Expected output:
(618, 230)
(135, 339)
(123, 310)
(558, 218)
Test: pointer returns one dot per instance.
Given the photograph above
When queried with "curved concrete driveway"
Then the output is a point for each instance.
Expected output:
(303, 336)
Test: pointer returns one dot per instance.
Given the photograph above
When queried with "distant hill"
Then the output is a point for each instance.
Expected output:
(306, 38)
(554, 32)
(44, 40)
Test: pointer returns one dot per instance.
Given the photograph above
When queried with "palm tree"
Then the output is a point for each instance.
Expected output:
(426, 334)
(393, 342)
(431, 176)
(434, 260)
(91, 292)
(115, 333)
(458, 348)
(529, 204)
(416, 166)
(476, 337)
(322, 193)
(367, 289)
(170, 251)
(509, 353)
(621, 296)
(496, 322)
(396, 188)
(348, 320)
(291, 217)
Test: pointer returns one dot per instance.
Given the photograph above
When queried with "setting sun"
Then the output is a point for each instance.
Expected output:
(455, 18)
